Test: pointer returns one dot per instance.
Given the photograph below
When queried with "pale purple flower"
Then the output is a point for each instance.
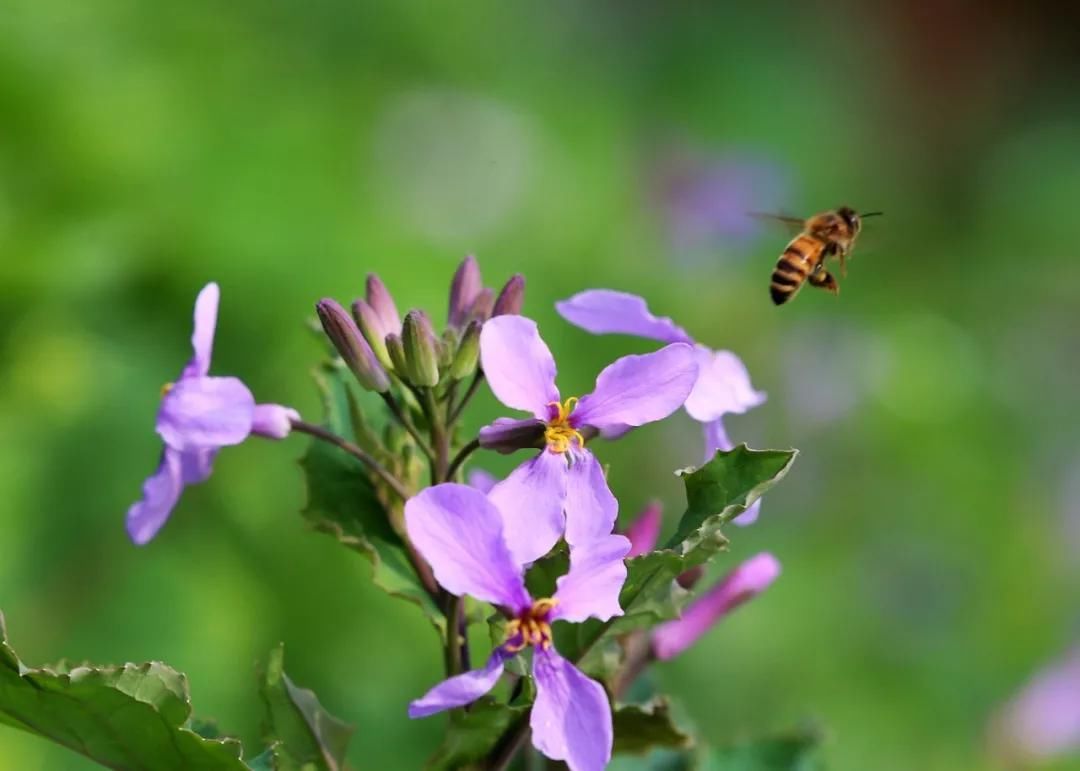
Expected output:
(562, 490)
(1043, 721)
(723, 384)
(746, 581)
(199, 414)
(460, 532)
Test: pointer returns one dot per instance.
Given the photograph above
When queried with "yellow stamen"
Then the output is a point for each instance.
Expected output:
(166, 388)
(559, 434)
(531, 628)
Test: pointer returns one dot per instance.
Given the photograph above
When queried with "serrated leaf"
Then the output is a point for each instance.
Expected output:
(342, 502)
(641, 728)
(716, 493)
(123, 717)
(303, 735)
(797, 752)
(472, 735)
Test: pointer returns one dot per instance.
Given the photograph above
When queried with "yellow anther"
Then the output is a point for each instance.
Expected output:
(166, 388)
(559, 434)
(530, 628)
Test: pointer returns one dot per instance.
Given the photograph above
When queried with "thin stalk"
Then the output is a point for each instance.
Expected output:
(377, 468)
(403, 419)
(511, 745)
(463, 453)
(454, 608)
(455, 413)
(440, 439)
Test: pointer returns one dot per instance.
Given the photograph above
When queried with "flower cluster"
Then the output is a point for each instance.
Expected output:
(482, 540)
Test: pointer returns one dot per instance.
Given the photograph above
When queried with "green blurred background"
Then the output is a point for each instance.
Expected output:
(929, 529)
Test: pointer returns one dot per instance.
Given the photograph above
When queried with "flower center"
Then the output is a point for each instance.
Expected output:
(559, 434)
(166, 388)
(532, 627)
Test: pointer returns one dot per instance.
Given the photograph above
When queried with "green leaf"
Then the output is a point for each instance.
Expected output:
(472, 735)
(343, 502)
(641, 728)
(797, 752)
(716, 493)
(124, 717)
(303, 736)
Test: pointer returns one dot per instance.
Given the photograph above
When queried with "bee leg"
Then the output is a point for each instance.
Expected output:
(824, 280)
(843, 262)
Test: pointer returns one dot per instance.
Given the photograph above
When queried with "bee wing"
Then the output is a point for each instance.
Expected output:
(795, 224)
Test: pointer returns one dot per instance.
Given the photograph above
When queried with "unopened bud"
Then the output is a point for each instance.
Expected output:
(395, 349)
(468, 352)
(445, 347)
(464, 288)
(511, 298)
(378, 297)
(688, 578)
(420, 349)
(645, 530)
(372, 328)
(480, 310)
(354, 349)
(507, 435)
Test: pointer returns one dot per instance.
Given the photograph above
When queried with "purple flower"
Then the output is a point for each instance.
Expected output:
(199, 415)
(746, 581)
(562, 489)
(645, 530)
(460, 532)
(723, 384)
(1043, 720)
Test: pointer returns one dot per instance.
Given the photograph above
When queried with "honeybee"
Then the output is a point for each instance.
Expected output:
(825, 235)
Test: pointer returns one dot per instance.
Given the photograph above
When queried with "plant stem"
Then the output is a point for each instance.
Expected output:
(403, 419)
(377, 468)
(463, 453)
(454, 608)
(440, 439)
(455, 413)
(511, 745)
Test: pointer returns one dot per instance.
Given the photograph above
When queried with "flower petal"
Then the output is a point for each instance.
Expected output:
(461, 689)
(460, 533)
(716, 438)
(591, 509)
(273, 421)
(636, 390)
(464, 289)
(596, 577)
(202, 338)
(723, 386)
(644, 531)
(571, 717)
(196, 465)
(161, 490)
(746, 581)
(205, 412)
(530, 501)
(518, 364)
(605, 311)
(508, 435)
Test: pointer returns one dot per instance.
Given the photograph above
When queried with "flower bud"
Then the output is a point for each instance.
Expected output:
(480, 310)
(464, 288)
(511, 298)
(374, 331)
(354, 349)
(395, 349)
(688, 578)
(645, 530)
(378, 297)
(421, 353)
(468, 352)
(446, 347)
(746, 581)
(507, 435)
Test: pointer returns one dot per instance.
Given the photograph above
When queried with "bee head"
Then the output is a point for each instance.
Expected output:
(850, 218)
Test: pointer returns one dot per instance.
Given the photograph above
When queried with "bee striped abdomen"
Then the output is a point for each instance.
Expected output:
(792, 269)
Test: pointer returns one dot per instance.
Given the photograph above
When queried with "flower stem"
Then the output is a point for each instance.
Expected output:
(463, 453)
(454, 607)
(455, 413)
(440, 439)
(403, 419)
(377, 468)
(510, 745)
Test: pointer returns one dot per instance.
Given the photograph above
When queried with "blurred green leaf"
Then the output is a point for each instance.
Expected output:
(641, 728)
(303, 736)
(471, 735)
(716, 493)
(127, 717)
(343, 503)
(798, 752)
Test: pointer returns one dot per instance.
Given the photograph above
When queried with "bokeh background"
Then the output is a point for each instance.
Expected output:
(930, 527)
